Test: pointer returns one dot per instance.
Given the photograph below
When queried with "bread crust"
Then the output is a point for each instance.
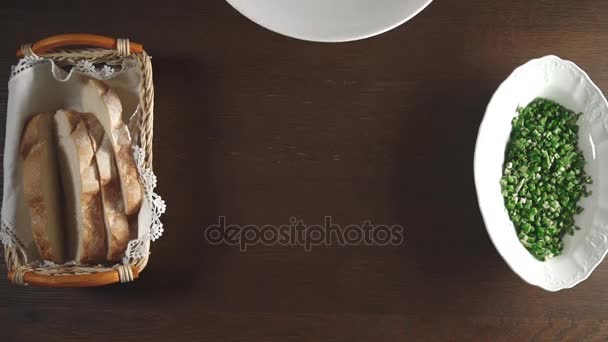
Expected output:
(80, 180)
(41, 187)
(120, 137)
(116, 221)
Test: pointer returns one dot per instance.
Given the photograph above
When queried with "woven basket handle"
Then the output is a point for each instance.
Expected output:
(72, 280)
(77, 39)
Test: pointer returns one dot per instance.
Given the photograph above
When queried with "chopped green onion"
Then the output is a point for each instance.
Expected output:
(544, 176)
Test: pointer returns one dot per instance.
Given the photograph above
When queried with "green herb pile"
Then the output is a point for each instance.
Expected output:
(544, 176)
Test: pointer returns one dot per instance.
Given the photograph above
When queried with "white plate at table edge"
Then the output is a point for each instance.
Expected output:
(335, 38)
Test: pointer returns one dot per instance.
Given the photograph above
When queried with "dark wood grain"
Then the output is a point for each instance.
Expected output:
(258, 127)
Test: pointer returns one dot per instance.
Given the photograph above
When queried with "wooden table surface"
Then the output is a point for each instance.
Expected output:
(260, 128)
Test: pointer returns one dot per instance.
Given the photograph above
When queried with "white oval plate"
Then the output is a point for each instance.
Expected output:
(329, 20)
(564, 82)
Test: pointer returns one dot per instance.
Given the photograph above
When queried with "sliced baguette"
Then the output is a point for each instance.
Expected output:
(41, 189)
(116, 221)
(99, 99)
(80, 180)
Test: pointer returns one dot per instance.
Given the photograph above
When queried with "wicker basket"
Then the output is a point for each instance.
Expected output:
(66, 50)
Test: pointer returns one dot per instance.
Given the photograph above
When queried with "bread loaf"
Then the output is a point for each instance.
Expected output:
(84, 219)
(105, 104)
(41, 189)
(116, 221)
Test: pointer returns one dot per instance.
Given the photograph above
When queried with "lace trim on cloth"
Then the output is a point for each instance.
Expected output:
(139, 248)
(85, 67)
(106, 71)
(8, 237)
(24, 64)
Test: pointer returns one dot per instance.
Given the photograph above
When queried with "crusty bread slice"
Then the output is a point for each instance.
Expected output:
(99, 99)
(80, 180)
(41, 189)
(116, 221)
